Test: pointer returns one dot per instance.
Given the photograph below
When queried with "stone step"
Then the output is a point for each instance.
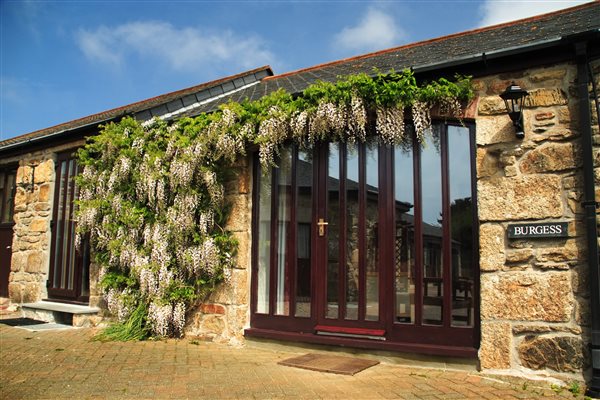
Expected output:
(6, 307)
(61, 313)
(4, 303)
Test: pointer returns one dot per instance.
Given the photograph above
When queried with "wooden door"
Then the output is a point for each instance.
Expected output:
(348, 231)
(69, 265)
(7, 205)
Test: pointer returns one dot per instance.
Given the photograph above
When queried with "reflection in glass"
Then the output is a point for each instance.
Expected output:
(404, 253)
(62, 182)
(431, 178)
(461, 219)
(264, 241)
(8, 194)
(352, 216)
(372, 236)
(282, 300)
(71, 226)
(4, 196)
(304, 180)
(333, 230)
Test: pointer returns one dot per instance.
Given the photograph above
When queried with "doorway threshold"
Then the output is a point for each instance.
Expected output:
(363, 343)
(357, 333)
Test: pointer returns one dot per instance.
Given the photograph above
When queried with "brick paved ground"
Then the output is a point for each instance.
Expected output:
(69, 365)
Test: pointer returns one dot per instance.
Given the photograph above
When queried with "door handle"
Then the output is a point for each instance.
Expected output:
(322, 225)
(8, 247)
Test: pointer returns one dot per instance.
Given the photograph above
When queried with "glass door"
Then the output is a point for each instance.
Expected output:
(283, 251)
(348, 232)
(365, 241)
(69, 265)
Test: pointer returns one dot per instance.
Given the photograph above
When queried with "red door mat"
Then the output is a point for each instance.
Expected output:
(329, 363)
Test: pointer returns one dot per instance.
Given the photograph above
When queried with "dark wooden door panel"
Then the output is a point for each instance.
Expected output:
(7, 204)
(68, 264)
(6, 234)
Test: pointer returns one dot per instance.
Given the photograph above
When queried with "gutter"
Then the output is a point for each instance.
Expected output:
(483, 57)
(50, 135)
(589, 209)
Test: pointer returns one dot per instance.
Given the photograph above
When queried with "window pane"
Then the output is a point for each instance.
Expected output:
(304, 181)
(372, 227)
(10, 204)
(461, 216)
(264, 241)
(7, 194)
(70, 226)
(282, 305)
(352, 218)
(3, 196)
(431, 181)
(333, 230)
(404, 250)
(62, 183)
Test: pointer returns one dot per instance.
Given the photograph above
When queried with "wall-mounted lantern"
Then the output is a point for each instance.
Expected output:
(513, 98)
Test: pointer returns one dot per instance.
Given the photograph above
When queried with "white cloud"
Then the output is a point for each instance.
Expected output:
(180, 48)
(499, 11)
(375, 31)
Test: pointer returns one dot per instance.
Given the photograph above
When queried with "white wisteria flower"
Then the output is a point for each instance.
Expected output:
(421, 119)
(390, 125)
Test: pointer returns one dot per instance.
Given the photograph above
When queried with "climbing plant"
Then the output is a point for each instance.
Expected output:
(152, 196)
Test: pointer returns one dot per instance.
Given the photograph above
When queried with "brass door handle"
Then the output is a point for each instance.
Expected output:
(322, 225)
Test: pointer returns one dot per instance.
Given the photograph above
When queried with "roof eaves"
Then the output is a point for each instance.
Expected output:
(487, 55)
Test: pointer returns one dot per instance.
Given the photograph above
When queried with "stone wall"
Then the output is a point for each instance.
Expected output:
(534, 293)
(31, 235)
(225, 314)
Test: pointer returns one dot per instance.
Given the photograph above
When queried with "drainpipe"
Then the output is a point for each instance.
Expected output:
(589, 207)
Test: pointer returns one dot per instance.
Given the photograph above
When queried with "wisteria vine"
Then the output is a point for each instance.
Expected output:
(152, 197)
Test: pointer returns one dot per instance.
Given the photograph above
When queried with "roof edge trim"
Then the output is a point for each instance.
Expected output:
(203, 102)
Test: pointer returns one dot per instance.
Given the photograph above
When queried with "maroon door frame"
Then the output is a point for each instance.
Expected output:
(7, 204)
(320, 272)
(68, 280)
(418, 337)
(466, 339)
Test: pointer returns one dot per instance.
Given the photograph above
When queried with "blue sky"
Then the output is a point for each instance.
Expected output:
(62, 60)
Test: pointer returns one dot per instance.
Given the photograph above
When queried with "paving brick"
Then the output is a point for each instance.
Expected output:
(68, 364)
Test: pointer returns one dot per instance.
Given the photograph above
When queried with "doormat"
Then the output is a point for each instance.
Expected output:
(329, 363)
(20, 322)
(33, 325)
(46, 326)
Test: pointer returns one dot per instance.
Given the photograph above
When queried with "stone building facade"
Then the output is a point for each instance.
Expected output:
(34, 202)
(534, 293)
(534, 313)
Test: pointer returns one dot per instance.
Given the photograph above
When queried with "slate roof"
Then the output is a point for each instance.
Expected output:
(485, 43)
(480, 43)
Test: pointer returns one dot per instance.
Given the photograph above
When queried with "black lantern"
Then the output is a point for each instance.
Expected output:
(513, 98)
